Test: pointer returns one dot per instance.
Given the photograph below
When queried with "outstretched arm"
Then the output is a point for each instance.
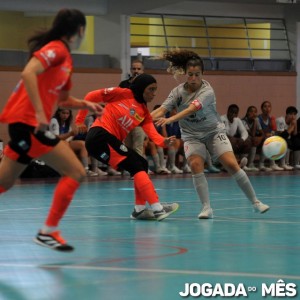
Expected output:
(158, 113)
(192, 108)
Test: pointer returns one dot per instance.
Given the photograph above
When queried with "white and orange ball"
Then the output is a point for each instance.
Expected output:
(274, 147)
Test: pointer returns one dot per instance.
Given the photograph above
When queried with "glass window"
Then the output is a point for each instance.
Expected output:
(212, 37)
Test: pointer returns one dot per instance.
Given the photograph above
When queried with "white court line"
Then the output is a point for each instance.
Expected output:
(161, 271)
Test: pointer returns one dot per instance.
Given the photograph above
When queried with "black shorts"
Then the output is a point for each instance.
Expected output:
(25, 145)
(108, 149)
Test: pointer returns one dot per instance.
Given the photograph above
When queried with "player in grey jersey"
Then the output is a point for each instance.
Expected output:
(201, 128)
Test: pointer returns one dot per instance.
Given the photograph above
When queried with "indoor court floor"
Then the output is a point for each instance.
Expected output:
(119, 258)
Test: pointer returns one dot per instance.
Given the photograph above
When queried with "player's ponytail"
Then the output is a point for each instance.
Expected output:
(181, 59)
(66, 24)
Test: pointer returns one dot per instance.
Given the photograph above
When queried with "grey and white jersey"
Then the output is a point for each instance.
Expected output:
(204, 122)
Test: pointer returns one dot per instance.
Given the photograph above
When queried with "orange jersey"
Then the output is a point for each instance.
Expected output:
(57, 62)
(122, 113)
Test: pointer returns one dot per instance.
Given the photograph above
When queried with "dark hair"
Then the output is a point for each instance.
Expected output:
(291, 110)
(249, 109)
(182, 59)
(57, 117)
(262, 105)
(232, 107)
(66, 23)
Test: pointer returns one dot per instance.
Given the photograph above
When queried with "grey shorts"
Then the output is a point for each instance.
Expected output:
(216, 145)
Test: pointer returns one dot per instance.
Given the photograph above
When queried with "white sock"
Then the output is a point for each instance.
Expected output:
(251, 156)
(48, 229)
(156, 206)
(139, 208)
(244, 183)
(85, 162)
(172, 157)
(201, 187)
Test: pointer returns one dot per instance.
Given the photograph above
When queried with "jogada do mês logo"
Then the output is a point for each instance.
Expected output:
(207, 290)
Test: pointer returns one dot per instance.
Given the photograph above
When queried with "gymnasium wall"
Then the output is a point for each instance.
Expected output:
(244, 89)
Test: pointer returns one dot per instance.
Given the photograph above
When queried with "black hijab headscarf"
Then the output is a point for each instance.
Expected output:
(139, 84)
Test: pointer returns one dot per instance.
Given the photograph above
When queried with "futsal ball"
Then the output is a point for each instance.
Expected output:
(274, 147)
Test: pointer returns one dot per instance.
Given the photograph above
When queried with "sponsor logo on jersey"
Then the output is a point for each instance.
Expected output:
(108, 90)
(51, 54)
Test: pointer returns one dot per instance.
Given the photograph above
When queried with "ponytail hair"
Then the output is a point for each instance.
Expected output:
(181, 59)
(66, 23)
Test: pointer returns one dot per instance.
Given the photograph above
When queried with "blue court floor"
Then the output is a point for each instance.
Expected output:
(237, 252)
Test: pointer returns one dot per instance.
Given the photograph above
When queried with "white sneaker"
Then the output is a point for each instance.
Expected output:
(161, 171)
(243, 162)
(100, 172)
(206, 213)
(175, 170)
(112, 172)
(265, 169)
(166, 170)
(250, 169)
(276, 168)
(297, 167)
(259, 207)
(287, 168)
(90, 173)
(186, 169)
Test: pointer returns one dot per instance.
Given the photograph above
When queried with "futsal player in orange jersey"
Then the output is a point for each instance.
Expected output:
(126, 109)
(45, 83)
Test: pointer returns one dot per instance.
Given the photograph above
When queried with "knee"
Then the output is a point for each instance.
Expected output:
(77, 172)
(232, 167)
(196, 164)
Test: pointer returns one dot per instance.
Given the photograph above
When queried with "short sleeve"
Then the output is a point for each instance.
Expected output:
(52, 54)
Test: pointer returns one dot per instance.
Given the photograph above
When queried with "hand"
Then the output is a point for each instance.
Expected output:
(81, 128)
(163, 121)
(170, 140)
(42, 122)
(98, 109)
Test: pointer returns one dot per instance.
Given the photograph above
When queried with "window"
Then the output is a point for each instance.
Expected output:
(215, 39)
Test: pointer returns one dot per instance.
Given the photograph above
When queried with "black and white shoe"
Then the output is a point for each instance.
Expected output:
(167, 210)
(53, 241)
(146, 215)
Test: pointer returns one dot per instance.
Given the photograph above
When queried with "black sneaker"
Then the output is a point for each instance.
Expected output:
(145, 214)
(53, 241)
(167, 210)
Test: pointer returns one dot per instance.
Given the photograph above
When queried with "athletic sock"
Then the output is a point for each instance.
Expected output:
(144, 188)
(2, 189)
(201, 187)
(156, 161)
(139, 197)
(85, 162)
(62, 198)
(161, 155)
(157, 207)
(139, 208)
(172, 157)
(244, 183)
